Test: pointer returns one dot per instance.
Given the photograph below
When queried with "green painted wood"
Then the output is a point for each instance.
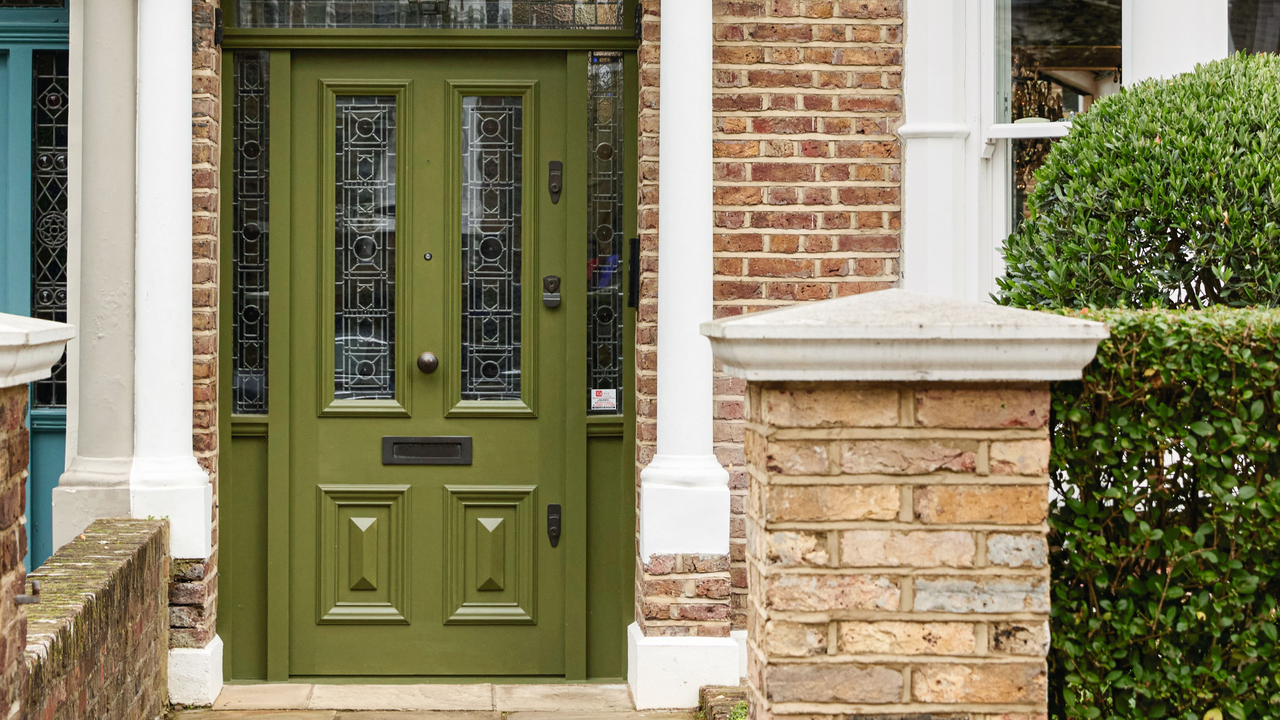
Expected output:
(610, 584)
(399, 39)
(238, 659)
(574, 401)
(327, 449)
(626, 511)
(242, 600)
(280, 372)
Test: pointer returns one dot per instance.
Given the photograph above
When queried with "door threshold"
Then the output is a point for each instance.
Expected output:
(475, 697)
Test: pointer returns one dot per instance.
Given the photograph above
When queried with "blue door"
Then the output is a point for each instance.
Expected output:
(33, 232)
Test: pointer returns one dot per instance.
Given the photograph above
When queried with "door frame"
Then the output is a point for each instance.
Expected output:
(580, 425)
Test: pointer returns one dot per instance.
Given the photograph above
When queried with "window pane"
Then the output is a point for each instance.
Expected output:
(605, 183)
(592, 14)
(49, 209)
(1054, 58)
(365, 240)
(492, 168)
(1255, 26)
(250, 233)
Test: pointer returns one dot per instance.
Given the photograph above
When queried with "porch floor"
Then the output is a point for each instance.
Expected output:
(425, 702)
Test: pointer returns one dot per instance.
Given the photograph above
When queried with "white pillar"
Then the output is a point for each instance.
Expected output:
(1163, 38)
(166, 480)
(938, 252)
(684, 491)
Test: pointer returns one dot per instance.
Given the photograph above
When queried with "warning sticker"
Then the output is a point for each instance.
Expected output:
(604, 399)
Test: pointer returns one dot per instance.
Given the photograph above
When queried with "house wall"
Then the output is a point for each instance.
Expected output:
(808, 94)
(193, 594)
(13, 545)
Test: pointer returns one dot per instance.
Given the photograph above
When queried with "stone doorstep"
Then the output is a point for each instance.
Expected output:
(560, 699)
(420, 715)
(716, 703)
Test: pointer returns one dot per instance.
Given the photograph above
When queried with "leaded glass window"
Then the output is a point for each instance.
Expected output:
(250, 233)
(605, 232)
(365, 241)
(555, 14)
(49, 209)
(492, 167)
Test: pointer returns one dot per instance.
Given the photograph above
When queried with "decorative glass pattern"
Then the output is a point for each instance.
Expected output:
(605, 207)
(492, 169)
(365, 240)
(485, 14)
(49, 209)
(250, 234)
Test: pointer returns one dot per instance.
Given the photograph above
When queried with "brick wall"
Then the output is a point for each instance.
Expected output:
(14, 450)
(97, 643)
(193, 594)
(808, 96)
(898, 550)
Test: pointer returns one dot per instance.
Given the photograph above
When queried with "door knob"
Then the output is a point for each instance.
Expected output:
(428, 362)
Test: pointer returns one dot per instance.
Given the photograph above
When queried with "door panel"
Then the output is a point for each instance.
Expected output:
(422, 223)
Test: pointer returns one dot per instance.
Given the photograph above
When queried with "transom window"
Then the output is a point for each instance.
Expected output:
(427, 14)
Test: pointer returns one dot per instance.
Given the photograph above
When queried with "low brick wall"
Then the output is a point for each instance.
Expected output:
(98, 642)
(14, 449)
(897, 550)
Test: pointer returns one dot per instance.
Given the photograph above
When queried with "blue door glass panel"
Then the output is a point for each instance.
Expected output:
(28, 30)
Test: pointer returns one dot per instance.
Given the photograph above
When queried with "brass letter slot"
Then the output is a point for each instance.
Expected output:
(426, 451)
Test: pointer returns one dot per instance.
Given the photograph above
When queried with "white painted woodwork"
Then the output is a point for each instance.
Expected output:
(1163, 38)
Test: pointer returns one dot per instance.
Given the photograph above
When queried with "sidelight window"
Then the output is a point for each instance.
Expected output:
(250, 233)
(605, 188)
(49, 209)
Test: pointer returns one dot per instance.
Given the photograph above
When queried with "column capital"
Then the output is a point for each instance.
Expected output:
(897, 335)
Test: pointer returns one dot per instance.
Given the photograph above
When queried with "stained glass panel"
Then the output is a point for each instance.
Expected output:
(558, 14)
(605, 233)
(365, 240)
(492, 168)
(49, 209)
(250, 234)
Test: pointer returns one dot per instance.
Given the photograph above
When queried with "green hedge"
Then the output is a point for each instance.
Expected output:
(1165, 527)
(1164, 195)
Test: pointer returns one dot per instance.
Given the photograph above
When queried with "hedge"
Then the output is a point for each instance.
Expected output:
(1166, 194)
(1164, 531)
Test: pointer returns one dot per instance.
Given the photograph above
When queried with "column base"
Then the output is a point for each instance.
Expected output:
(667, 672)
(195, 674)
(740, 637)
(190, 512)
(74, 507)
(684, 507)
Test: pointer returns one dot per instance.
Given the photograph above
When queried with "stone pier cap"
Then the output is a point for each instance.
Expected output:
(897, 335)
(29, 348)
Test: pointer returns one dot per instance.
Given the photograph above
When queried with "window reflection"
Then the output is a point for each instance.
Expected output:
(1057, 57)
(1255, 26)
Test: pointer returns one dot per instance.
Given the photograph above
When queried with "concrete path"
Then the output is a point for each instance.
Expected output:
(425, 702)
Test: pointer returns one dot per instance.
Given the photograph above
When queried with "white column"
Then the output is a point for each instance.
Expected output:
(166, 480)
(1163, 38)
(684, 491)
(937, 252)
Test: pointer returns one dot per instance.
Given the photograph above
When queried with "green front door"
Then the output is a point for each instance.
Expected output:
(424, 221)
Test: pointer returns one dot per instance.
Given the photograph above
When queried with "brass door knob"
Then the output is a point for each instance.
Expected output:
(428, 362)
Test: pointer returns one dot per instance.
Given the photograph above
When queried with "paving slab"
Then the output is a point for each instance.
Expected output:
(420, 715)
(402, 697)
(603, 715)
(562, 698)
(255, 715)
(273, 696)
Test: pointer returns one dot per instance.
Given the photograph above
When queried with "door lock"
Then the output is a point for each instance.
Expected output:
(553, 524)
(555, 180)
(551, 291)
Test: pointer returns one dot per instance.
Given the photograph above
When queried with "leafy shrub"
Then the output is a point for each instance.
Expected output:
(1164, 195)
(1165, 536)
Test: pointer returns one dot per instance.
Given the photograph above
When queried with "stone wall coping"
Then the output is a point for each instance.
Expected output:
(897, 335)
(29, 348)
